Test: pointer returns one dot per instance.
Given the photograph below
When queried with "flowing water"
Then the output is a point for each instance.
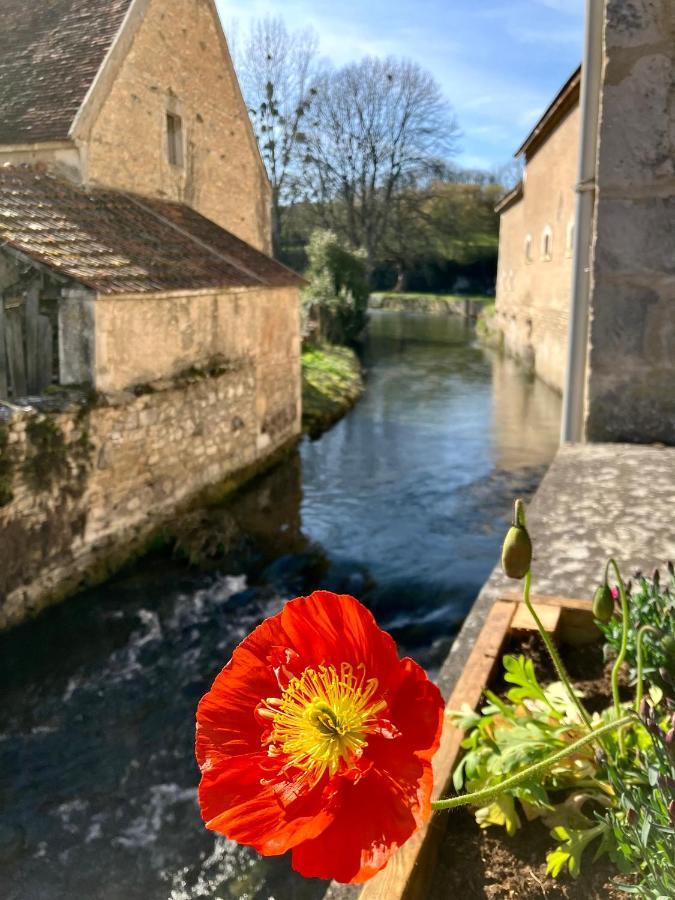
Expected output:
(403, 504)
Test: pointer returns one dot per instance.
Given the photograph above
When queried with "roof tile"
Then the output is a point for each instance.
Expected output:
(50, 53)
(116, 243)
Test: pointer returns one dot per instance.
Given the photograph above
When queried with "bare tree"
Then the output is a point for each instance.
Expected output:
(278, 71)
(376, 126)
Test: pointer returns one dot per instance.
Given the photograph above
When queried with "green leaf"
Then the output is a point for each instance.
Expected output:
(520, 671)
(501, 812)
(572, 845)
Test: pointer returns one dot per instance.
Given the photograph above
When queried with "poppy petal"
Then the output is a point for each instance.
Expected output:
(235, 803)
(376, 816)
(416, 709)
(226, 721)
(337, 628)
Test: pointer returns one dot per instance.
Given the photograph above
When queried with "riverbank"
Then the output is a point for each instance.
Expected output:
(431, 304)
(332, 382)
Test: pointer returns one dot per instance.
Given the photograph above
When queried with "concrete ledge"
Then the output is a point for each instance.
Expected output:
(596, 501)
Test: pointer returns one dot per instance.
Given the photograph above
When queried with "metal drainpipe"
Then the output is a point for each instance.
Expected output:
(577, 345)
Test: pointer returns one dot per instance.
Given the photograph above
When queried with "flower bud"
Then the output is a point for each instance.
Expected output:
(631, 816)
(670, 739)
(656, 578)
(603, 603)
(516, 552)
(671, 567)
(671, 811)
(645, 710)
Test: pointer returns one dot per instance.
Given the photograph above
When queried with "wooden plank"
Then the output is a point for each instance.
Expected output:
(31, 313)
(44, 354)
(15, 351)
(576, 625)
(548, 615)
(547, 600)
(4, 394)
(409, 871)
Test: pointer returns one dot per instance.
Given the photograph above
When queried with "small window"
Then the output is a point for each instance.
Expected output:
(547, 243)
(569, 243)
(174, 134)
(528, 248)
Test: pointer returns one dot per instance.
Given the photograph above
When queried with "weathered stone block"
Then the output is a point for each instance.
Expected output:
(632, 329)
(631, 23)
(635, 121)
(635, 236)
(635, 408)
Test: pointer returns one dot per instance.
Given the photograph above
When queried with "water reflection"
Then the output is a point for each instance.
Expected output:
(417, 483)
(401, 504)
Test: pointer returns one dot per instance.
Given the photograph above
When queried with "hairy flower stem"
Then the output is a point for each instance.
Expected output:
(519, 517)
(487, 795)
(553, 653)
(639, 690)
(625, 623)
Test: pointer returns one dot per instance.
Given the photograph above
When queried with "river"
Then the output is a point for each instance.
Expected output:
(403, 503)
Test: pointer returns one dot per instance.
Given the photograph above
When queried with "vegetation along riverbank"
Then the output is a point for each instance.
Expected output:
(332, 382)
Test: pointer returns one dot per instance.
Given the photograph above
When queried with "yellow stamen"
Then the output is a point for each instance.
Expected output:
(323, 718)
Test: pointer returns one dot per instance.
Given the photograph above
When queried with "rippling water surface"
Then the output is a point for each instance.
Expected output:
(403, 503)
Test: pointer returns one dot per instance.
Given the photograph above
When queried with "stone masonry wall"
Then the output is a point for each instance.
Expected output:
(179, 64)
(83, 489)
(187, 330)
(631, 377)
(533, 295)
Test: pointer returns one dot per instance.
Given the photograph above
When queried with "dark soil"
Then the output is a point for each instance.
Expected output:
(473, 862)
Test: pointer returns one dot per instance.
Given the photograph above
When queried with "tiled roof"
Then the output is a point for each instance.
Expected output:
(50, 53)
(118, 243)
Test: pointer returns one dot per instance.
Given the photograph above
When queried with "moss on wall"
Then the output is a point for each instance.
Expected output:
(6, 468)
(487, 328)
(50, 458)
(47, 459)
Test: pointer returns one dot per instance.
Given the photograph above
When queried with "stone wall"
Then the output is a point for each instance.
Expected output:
(631, 378)
(84, 488)
(190, 330)
(178, 63)
(533, 294)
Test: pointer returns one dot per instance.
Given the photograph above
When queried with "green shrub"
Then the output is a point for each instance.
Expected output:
(335, 303)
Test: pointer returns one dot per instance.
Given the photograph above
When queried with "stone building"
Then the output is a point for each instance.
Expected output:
(620, 385)
(149, 345)
(536, 239)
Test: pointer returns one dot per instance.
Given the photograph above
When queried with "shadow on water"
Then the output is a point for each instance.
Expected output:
(403, 503)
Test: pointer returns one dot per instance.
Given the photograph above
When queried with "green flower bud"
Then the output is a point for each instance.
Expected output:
(603, 603)
(516, 552)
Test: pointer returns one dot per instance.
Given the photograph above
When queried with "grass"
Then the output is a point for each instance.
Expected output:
(331, 384)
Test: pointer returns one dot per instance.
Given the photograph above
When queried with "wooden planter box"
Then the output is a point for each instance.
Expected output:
(409, 872)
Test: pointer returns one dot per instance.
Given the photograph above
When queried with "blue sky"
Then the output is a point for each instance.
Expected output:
(499, 62)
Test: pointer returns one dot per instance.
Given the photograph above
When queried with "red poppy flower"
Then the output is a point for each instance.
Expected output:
(317, 738)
